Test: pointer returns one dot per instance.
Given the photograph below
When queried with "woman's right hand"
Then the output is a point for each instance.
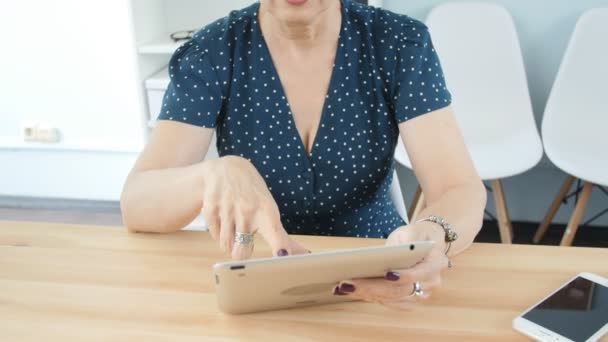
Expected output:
(236, 198)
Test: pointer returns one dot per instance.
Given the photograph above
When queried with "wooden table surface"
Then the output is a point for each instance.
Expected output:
(75, 282)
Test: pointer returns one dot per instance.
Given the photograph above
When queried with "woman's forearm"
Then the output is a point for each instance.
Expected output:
(463, 207)
(162, 200)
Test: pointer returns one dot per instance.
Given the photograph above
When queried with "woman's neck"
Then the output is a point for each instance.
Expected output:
(322, 28)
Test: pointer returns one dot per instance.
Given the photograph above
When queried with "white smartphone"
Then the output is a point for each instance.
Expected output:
(577, 311)
(309, 279)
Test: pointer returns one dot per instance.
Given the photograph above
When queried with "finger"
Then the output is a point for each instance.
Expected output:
(227, 232)
(380, 290)
(211, 214)
(271, 229)
(242, 251)
(241, 226)
(420, 272)
(397, 237)
(427, 269)
(374, 289)
(432, 284)
(405, 304)
(296, 248)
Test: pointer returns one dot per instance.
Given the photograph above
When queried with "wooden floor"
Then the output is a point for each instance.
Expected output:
(523, 231)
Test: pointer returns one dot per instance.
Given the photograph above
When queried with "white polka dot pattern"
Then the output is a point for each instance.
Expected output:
(386, 71)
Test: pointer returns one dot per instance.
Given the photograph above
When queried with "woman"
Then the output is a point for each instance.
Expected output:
(308, 98)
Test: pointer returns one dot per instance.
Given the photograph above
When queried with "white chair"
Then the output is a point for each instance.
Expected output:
(576, 117)
(397, 197)
(480, 53)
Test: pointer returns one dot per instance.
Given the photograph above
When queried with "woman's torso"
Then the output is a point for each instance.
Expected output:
(341, 188)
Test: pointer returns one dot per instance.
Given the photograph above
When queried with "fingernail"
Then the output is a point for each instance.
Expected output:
(337, 292)
(282, 252)
(392, 276)
(309, 252)
(346, 287)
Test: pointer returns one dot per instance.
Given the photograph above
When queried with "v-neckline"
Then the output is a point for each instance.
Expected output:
(281, 89)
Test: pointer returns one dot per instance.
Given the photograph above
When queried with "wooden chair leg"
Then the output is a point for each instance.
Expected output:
(421, 205)
(502, 214)
(417, 205)
(577, 215)
(412, 208)
(542, 229)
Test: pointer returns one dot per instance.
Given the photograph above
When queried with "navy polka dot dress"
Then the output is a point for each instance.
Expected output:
(385, 72)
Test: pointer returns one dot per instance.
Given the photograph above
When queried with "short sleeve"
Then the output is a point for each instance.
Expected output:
(194, 94)
(420, 85)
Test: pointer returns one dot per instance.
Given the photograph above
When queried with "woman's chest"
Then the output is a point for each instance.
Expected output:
(354, 139)
(355, 132)
(305, 88)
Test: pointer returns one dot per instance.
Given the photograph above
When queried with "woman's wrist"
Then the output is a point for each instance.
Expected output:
(427, 231)
(205, 169)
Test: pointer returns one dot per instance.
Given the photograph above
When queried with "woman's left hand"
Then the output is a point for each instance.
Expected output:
(396, 289)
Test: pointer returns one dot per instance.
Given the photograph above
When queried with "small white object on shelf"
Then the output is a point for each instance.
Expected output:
(36, 132)
(160, 46)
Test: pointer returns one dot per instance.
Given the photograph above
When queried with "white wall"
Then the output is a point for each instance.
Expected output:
(64, 174)
(189, 14)
(72, 65)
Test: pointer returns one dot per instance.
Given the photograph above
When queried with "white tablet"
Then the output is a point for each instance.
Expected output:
(300, 280)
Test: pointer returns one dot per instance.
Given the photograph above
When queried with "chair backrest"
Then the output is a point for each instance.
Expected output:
(396, 195)
(576, 115)
(481, 56)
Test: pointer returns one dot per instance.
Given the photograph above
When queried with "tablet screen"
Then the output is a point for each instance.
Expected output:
(577, 311)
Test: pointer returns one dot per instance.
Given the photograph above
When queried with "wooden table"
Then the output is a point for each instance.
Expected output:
(67, 282)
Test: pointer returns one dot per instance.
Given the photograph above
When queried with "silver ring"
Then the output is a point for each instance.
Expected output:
(417, 290)
(243, 238)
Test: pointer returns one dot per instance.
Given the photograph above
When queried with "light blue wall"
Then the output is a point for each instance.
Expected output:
(544, 28)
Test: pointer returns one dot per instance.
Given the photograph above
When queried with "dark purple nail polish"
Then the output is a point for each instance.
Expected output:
(392, 276)
(337, 292)
(282, 252)
(309, 252)
(345, 287)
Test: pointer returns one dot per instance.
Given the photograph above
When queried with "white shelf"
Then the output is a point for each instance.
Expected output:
(159, 80)
(160, 46)
(156, 85)
(14, 143)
